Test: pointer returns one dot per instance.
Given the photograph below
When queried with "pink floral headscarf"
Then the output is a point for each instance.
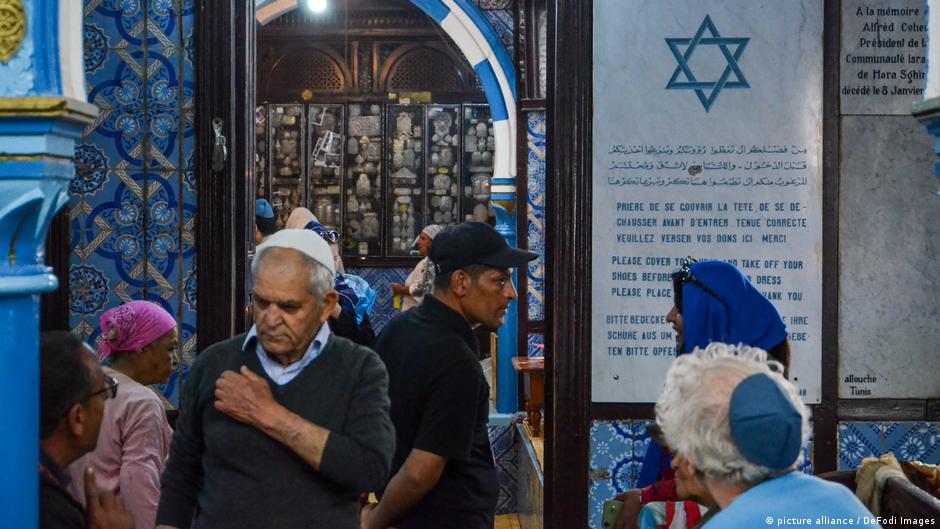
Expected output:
(133, 326)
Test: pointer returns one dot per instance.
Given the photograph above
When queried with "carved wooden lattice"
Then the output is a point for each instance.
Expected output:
(308, 69)
(423, 68)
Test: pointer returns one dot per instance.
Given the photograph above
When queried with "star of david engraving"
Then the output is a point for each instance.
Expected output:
(725, 44)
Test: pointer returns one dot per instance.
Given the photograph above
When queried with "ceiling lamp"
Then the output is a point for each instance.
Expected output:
(317, 6)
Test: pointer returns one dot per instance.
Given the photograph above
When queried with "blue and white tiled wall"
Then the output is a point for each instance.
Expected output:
(506, 453)
(536, 213)
(908, 440)
(380, 279)
(133, 206)
(617, 450)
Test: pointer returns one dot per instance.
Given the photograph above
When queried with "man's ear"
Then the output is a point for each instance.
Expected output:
(330, 300)
(459, 282)
(76, 420)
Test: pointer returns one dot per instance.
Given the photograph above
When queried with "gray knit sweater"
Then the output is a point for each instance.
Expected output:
(237, 477)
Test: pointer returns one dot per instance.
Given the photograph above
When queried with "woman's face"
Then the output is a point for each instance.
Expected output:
(675, 318)
(161, 358)
(424, 244)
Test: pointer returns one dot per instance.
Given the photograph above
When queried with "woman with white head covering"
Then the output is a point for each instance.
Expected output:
(304, 219)
(421, 279)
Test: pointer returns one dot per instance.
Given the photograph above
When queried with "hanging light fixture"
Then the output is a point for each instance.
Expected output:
(317, 6)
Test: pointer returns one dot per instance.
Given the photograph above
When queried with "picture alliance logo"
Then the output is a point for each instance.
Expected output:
(830, 521)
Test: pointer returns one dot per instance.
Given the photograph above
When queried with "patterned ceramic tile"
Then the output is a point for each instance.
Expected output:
(380, 280)
(506, 453)
(503, 24)
(536, 345)
(121, 20)
(494, 4)
(806, 466)
(617, 450)
(908, 440)
(536, 213)
(97, 46)
(163, 23)
(134, 203)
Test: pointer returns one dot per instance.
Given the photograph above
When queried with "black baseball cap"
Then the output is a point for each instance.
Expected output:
(470, 243)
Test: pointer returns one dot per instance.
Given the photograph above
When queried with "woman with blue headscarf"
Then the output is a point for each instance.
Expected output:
(713, 302)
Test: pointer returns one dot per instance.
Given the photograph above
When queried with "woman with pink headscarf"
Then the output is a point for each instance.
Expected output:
(141, 340)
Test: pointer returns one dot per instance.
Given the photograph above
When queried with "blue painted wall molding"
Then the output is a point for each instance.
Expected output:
(41, 119)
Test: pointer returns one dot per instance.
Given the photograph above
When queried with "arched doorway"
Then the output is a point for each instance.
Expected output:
(465, 25)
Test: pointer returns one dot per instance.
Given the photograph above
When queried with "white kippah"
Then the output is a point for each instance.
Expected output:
(306, 242)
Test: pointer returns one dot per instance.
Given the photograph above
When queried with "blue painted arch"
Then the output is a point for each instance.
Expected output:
(465, 25)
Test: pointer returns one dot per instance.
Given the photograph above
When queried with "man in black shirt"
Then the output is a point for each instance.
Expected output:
(73, 389)
(443, 474)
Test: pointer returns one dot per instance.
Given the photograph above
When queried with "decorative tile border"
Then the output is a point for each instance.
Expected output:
(908, 440)
(535, 213)
(506, 453)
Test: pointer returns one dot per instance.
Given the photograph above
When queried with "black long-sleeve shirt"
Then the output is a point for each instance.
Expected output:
(239, 477)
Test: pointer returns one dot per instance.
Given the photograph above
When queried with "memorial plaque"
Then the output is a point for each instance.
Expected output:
(707, 142)
(889, 244)
(884, 49)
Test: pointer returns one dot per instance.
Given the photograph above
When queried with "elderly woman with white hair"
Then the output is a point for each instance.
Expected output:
(734, 420)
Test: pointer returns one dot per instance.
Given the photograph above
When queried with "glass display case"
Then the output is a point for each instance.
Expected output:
(377, 173)
(443, 164)
(364, 155)
(406, 177)
(287, 161)
(325, 163)
(261, 151)
(479, 146)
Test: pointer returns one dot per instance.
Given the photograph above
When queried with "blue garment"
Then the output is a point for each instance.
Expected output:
(348, 299)
(794, 500)
(655, 461)
(746, 316)
(365, 295)
(283, 374)
(742, 316)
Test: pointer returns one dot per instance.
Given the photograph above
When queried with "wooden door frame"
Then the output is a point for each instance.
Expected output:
(225, 50)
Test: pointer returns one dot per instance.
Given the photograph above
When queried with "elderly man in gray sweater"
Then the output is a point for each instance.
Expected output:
(285, 426)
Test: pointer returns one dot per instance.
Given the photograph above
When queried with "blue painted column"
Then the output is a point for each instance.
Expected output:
(507, 380)
(42, 114)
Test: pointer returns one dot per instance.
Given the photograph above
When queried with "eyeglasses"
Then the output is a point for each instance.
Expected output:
(110, 389)
(683, 276)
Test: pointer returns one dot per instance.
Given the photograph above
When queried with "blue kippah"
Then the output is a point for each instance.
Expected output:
(263, 209)
(765, 426)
